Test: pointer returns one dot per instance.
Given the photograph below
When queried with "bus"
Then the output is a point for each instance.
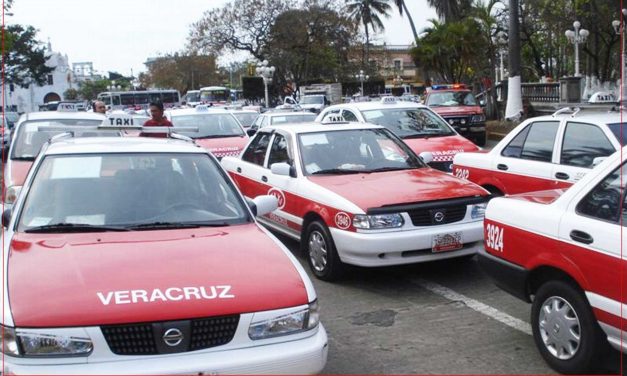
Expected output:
(119, 100)
(215, 94)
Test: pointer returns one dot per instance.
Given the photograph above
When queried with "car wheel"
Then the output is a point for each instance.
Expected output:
(480, 139)
(565, 330)
(321, 253)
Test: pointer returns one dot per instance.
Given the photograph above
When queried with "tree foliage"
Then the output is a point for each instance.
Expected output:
(89, 90)
(70, 94)
(182, 72)
(368, 13)
(24, 57)
(241, 25)
(312, 51)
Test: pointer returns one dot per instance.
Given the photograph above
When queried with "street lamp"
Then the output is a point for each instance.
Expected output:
(577, 37)
(361, 77)
(113, 86)
(266, 73)
(501, 43)
(619, 28)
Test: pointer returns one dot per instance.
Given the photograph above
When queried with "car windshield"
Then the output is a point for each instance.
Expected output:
(193, 97)
(354, 151)
(31, 135)
(292, 119)
(246, 118)
(209, 125)
(134, 191)
(409, 122)
(312, 99)
(619, 129)
(452, 98)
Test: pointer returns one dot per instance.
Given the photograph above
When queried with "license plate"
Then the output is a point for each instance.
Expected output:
(446, 242)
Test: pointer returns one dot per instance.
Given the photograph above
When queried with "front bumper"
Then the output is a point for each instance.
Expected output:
(406, 246)
(302, 356)
(510, 277)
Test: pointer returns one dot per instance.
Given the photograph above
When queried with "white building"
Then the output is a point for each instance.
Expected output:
(58, 81)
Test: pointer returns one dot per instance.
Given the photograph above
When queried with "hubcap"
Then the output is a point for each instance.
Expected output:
(559, 328)
(317, 251)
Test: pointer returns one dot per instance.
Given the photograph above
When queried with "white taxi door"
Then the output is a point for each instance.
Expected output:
(284, 188)
(580, 143)
(526, 163)
(590, 234)
(250, 170)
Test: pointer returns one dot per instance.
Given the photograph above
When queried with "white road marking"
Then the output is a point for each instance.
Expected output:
(476, 305)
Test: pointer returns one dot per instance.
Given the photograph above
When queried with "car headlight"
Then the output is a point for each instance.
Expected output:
(285, 323)
(12, 193)
(28, 343)
(478, 211)
(376, 222)
(478, 118)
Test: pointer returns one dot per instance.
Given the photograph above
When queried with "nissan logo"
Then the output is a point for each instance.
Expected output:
(173, 337)
(438, 216)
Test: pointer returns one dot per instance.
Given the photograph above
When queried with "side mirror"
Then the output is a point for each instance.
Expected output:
(282, 169)
(482, 103)
(265, 204)
(251, 131)
(426, 156)
(597, 161)
(6, 218)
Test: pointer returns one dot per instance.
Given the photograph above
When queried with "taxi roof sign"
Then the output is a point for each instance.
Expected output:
(388, 100)
(202, 108)
(120, 120)
(67, 107)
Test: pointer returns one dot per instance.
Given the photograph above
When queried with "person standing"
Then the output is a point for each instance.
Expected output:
(99, 107)
(157, 120)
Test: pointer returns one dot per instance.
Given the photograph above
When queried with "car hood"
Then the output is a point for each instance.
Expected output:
(456, 110)
(369, 191)
(540, 197)
(442, 148)
(19, 170)
(86, 279)
(224, 146)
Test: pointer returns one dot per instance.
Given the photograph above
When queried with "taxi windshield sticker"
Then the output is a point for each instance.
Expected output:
(74, 168)
(173, 294)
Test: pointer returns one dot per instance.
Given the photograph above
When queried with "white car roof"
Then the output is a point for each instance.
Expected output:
(310, 127)
(102, 145)
(54, 115)
(195, 111)
(289, 113)
(376, 105)
(587, 115)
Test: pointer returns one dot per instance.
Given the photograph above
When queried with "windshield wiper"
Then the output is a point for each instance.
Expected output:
(23, 158)
(426, 135)
(337, 171)
(383, 169)
(218, 136)
(175, 225)
(74, 227)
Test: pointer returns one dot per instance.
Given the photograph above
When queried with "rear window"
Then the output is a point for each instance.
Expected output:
(618, 129)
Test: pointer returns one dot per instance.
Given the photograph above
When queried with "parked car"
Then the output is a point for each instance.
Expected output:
(562, 250)
(358, 195)
(282, 117)
(419, 127)
(544, 152)
(149, 261)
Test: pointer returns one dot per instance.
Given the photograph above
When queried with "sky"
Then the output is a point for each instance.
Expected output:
(118, 35)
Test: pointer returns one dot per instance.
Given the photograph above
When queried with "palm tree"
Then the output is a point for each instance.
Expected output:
(402, 6)
(367, 12)
(450, 10)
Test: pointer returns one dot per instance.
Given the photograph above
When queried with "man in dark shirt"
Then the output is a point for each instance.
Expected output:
(157, 120)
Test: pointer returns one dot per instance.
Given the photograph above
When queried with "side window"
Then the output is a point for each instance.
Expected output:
(349, 115)
(257, 122)
(278, 151)
(256, 151)
(535, 142)
(265, 122)
(582, 143)
(604, 201)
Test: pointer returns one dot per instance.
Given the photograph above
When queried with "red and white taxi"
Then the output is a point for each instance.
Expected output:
(155, 276)
(419, 127)
(218, 130)
(546, 152)
(357, 194)
(562, 250)
(28, 137)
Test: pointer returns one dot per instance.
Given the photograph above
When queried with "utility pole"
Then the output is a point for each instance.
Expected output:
(514, 108)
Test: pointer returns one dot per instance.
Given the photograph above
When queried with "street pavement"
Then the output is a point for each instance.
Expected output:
(444, 317)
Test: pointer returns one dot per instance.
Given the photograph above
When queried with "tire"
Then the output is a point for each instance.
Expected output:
(321, 253)
(557, 306)
(480, 139)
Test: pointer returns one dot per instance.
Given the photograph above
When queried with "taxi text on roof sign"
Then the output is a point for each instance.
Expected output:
(67, 107)
(120, 121)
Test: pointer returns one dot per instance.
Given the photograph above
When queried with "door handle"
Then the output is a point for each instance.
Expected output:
(502, 167)
(264, 179)
(581, 237)
(239, 169)
(562, 175)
